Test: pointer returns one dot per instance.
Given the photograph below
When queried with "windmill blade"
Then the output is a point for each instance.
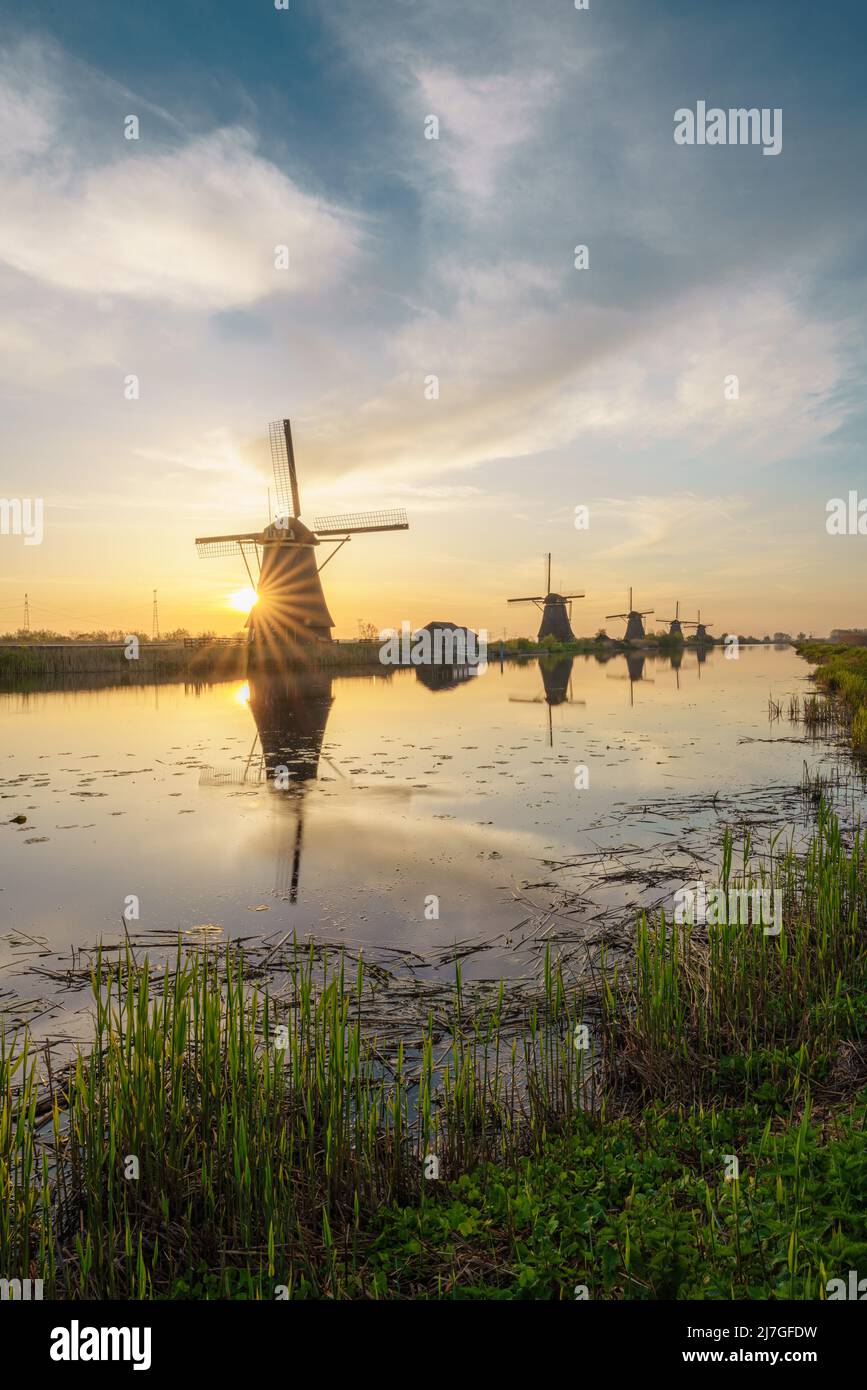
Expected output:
(608, 616)
(209, 547)
(352, 522)
(539, 598)
(581, 595)
(283, 460)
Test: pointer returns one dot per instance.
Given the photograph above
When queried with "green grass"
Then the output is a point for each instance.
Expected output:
(842, 673)
(641, 1210)
(303, 1165)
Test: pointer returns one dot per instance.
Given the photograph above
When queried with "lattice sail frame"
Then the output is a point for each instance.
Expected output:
(393, 520)
(216, 547)
(283, 463)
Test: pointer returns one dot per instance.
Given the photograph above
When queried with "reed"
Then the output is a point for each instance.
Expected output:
(842, 673)
(210, 1127)
(219, 1140)
(731, 1009)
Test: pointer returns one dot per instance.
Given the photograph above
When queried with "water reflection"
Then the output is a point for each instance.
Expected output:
(556, 673)
(445, 677)
(635, 663)
(350, 790)
(290, 711)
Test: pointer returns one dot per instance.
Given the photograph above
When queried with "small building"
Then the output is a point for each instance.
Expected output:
(849, 636)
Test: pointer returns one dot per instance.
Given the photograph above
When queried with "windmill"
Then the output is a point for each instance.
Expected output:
(634, 624)
(290, 607)
(700, 629)
(556, 611)
(675, 625)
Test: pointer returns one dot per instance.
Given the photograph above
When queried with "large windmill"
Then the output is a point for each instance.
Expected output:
(675, 625)
(556, 611)
(280, 560)
(634, 623)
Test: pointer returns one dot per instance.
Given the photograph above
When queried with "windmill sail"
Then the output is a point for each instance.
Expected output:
(285, 476)
(353, 522)
(213, 547)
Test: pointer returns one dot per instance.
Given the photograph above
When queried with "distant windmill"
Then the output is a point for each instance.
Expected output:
(291, 607)
(700, 629)
(556, 611)
(634, 624)
(676, 627)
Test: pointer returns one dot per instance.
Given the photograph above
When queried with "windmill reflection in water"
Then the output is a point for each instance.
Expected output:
(290, 711)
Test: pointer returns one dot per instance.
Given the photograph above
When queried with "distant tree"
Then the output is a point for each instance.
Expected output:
(367, 632)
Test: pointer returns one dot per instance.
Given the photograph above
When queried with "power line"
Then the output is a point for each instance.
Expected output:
(155, 625)
(26, 613)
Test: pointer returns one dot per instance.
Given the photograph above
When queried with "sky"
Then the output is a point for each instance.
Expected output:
(432, 340)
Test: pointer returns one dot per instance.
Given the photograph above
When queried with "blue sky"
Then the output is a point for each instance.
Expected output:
(411, 257)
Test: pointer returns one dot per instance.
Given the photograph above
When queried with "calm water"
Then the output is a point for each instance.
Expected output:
(391, 792)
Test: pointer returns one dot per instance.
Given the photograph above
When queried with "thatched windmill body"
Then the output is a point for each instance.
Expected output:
(634, 620)
(675, 628)
(281, 559)
(701, 629)
(556, 611)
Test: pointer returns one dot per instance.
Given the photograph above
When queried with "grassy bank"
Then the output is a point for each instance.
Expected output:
(22, 665)
(842, 673)
(219, 1141)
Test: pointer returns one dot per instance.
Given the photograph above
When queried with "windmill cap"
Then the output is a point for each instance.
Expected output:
(293, 528)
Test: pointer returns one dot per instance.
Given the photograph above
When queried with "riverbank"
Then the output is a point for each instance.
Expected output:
(131, 662)
(223, 1138)
(842, 673)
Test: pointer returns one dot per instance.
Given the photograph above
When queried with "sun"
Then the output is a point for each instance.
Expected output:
(242, 600)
